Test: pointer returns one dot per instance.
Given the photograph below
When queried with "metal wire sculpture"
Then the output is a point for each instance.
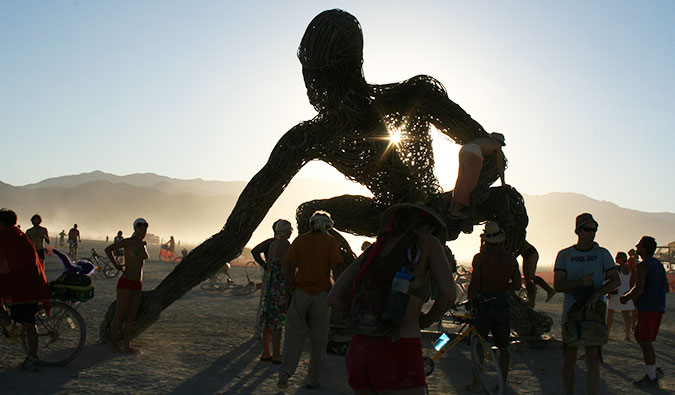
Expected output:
(376, 135)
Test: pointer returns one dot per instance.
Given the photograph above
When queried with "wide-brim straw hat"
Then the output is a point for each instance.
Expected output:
(493, 234)
(442, 228)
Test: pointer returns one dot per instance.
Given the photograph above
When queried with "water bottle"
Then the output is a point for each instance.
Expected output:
(441, 342)
(397, 300)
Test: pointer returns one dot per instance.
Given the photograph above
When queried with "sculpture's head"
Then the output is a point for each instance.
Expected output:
(331, 53)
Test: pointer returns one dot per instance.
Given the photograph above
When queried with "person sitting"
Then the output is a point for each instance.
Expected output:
(470, 164)
(23, 283)
(394, 362)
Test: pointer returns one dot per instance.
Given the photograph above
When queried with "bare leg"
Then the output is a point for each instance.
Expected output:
(545, 286)
(121, 312)
(267, 336)
(134, 304)
(569, 364)
(593, 368)
(633, 315)
(647, 352)
(626, 324)
(610, 320)
(276, 346)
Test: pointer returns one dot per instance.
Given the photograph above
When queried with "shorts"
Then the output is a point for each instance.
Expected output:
(41, 253)
(24, 312)
(493, 317)
(72, 243)
(125, 283)
(648, 325)
(382, 365)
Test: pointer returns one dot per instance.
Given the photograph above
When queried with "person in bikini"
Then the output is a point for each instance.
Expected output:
(129, 284)
(470, 164)
(38, 235)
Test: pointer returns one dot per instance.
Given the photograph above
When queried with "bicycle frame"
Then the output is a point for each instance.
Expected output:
(465, 331)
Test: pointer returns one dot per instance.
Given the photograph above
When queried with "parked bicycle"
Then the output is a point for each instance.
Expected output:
(221, 280)
(61, 333)
(484, 360)
(103, 264)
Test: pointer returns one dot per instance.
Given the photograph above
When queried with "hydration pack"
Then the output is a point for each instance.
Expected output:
(373, 309)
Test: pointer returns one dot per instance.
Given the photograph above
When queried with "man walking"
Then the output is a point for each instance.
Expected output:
(73, 241)
(494, 272)
(38, 235)
(307, 268)
(580, 271)
(649, 292)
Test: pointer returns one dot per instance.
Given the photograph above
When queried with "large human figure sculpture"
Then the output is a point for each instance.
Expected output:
(376, 135)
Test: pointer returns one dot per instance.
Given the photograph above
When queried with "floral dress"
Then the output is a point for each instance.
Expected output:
(274, 303)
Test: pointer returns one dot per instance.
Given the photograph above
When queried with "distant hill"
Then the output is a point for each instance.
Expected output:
(193, 210)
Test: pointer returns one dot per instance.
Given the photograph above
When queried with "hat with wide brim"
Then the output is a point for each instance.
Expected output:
(442, 229)
(493, 234)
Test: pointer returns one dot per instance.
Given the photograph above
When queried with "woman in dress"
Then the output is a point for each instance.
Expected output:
(274, 302)
(614, 303)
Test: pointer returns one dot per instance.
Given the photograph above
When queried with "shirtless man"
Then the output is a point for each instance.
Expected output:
(73, 241)
(470, 164)
(129, 284)
(495, 271)
(38, 235)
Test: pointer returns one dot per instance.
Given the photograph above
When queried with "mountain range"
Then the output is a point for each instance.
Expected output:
(193, 210)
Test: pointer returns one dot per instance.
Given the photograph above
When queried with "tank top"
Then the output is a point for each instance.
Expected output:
(653, 297)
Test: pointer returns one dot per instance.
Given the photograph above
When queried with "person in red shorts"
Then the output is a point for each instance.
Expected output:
(649, 292)
(393, 363)
(129, 285)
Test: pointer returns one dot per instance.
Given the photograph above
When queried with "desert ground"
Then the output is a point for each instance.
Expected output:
(203, 344)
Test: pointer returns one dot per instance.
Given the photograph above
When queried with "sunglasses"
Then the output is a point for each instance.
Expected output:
(142, 225)
(589, 230)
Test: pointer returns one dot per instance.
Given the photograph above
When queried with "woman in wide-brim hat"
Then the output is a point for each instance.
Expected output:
(401, 350)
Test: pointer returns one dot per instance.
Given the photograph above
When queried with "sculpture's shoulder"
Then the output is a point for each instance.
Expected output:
(419, 85)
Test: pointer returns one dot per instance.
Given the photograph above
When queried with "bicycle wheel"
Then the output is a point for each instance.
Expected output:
(209, 285)
(243, 290)
(486, 366)
(108, 269)
(61, 335)
(428, 366)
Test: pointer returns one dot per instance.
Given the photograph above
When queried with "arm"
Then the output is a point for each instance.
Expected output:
(562, 284)
(257, 251)
(639, 288)
(115, 246)
(613, 276)
(499, 156)
(442, 275)
(474, 284)
(516, 281)
(46, 236)
(336, 296)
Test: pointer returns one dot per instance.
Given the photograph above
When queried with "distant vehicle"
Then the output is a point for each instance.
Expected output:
(666, 254)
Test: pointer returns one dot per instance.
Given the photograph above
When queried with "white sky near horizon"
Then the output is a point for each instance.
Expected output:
(583, 91)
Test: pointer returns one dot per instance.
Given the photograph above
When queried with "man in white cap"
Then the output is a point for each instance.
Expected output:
(470, 164)
(580, 271)
(494, 272)
(307, 268)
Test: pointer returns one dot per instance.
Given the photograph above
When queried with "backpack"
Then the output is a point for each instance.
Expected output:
(372, 308)
(585, 327)
(74, 287)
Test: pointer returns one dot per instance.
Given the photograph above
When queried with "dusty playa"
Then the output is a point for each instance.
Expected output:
(203, 344)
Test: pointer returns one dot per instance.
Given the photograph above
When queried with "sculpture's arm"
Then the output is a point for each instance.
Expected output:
(431, 98)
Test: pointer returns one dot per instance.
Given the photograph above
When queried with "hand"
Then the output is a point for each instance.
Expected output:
(623, 299)
(587, 280)
(592, 300)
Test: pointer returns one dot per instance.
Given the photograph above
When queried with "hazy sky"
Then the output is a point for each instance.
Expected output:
(583, 91)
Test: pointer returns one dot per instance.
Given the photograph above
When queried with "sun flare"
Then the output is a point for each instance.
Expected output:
(395, 137)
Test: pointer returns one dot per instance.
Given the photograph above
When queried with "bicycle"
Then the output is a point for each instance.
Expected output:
(484, 360)
(103, 264)
(251, 286)
(61, 333)
(221, 280)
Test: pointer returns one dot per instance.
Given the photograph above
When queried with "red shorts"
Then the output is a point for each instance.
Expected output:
(648, 325)
(377, 363)
(125, 283)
